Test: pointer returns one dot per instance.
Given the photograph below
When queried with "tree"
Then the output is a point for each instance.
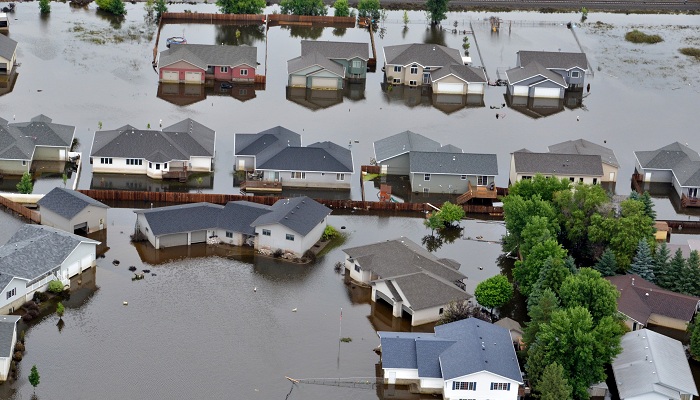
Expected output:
(590, 290)
(494, 292)
(161, 7)
(540, 313)
(44, 6)
(451, 214)
(60, 309)
(466, 45)
(690, 278)
(434, 222)
(459, 310)
(643, 262)
(369, 9)
(536, 230)
(606, 265)
(527, 271)
(64, 178)
(437, 10)
(55, 286)
(553, 385)
(695, 341)
(518, 211)
(405, 18)
(341, 8)
(576, 207)
(241, 6)
(115, 7)
(34, 377)
(675, 272)
(25, 185)
(645, 198)
(661, 264)
(303, 7)
(553, 273)
(539, 186)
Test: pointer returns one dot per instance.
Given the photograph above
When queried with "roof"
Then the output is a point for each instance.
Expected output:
(337, 50)
(311, 59)
(510, 324)
(182, 218)
(18, 140)
(237, 216)
(463, 72)
(557, 164)
(7, 47)
(584, 147)
(427, 55)
(456, 349)
(185, 139)
(35, 250)
(554, 59)
(425, 290)
(321, 157)
(402, 143)
(531, 70)
(8, 324)
(652, 363)
(269, 141)
(681, 159)
(67, 203)
(300, 214)
(204, 55)
(453, 163)
(640, 298)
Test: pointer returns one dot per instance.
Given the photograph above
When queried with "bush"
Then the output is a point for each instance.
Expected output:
(309, 255)
(30, 305)
(19, 346)
(329, 233)
(278, 253)
(55, 286)
(115, 7)
(690, 51)
(341, 7)
(636, 36)
(17, 357)
(27, 317)
(40, 296)
(44, 6)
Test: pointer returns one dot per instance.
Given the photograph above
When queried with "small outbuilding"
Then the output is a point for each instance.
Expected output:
(72, 211)
(8, 339)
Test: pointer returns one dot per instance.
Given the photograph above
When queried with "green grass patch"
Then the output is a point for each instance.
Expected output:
(346, 340)
(636, 36)
(369, 177)
(691, 52)
(337, 241)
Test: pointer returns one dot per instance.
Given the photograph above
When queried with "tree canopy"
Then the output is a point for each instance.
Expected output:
(437, 10)
(576, 207)
(540, 186)
(115, 7)
(303, 7)
(368, 8)
(341, 8)
(451, 213)
(25, 185)
(589, 290)
(554, 385)
(540, 313)
(34, 378)
(518, 212)
(527, 271)
(553, 273)
(643, 262)
(241, 6)
(494, 292)
(606, 265)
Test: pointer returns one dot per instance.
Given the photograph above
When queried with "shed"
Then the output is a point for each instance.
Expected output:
(72, 211)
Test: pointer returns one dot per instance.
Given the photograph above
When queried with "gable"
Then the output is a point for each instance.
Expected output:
(180, 65)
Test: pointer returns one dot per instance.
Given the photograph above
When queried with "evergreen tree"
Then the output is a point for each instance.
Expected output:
(570, 264)
(34, 378)
(695, 341)
(648, 205)
(643, 262)
(661, 264)
(691, 276)
(552, 275)
(540, 313)
(25, 185)
(553, 385)
(675, 272)
(606, 265)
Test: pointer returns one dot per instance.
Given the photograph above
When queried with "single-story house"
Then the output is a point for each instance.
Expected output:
(36, 255)
(407, 277)
(572, 67)
(652, 366)
(578, 168)
(459, 79)
(534, 80)
(326, 65)
(277, 157)
(36, 140)
(441, 172)
(72, 211)
(466, 359)
(195, 63)
(293, 225)
(8, 339)
(584, 147)
(8, 54)
(676, 164)
(186, 146)
(643, 303)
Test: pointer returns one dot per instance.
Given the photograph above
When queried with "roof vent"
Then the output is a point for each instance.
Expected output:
(646, 294)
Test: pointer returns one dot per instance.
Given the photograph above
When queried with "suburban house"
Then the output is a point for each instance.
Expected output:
(4, 22)
(292, 225)
(584, 147)
(432, 65)
(275, 159)
(407, 277)
(8, 339)
(652, 366)
(36, 255)
(579, 168)
(546, 74)
(184, 147)
(200, 63)
(643, 303)
(466, 359)
(327, 65)
(72, 211)
(676, 164)
(36, 140)
(8, 55)
(515, 329)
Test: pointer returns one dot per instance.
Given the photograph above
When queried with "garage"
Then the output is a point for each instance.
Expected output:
(520, 90)
(177, 239)
(199, 237)
(475, 88)
(171, 76)
(324, 83)
(81, 229)
(193, 77)
(298, 81)
(547, 92)
(450, 88)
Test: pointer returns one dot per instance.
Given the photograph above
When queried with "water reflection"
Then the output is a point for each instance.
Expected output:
(236, 35)
(423, 96)
(7, 82)
(182, 94)
(543, 107)
(115, 21)
(143, 183)
(321, 99)
(434, 34)
(304, 32)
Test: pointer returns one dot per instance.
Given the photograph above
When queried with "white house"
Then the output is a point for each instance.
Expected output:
(184, 147)
(8, 49)
(36, 255)
(8, 339)
(467, 359)
(676, 164)
(577, 168)
(72, 211)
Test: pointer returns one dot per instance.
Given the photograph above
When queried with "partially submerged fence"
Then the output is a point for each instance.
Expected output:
(177, 17)
(31, 215)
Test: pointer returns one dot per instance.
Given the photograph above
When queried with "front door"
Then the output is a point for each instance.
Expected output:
(426, 78)
(693, 192)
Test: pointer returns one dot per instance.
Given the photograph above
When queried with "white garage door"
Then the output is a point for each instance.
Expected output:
(193, 77)
(178, 239)
(453, 88)
(547, 92)
(171, 76)
(475, 88)
(299, 81)
(520, 90)
(324, 83)
(198, 237)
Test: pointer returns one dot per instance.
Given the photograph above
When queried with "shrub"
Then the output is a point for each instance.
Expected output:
(25, 185)
(329, 233)
(55, 286)
(278, 253)
(44, 6)
(27, 317)
(40, 296)
(17, 357)
(33, 313)
(690, 51)
(310, 255)
(341, 7)
(30, 305)
(115, 7)
(60, 309)
(346, 339)
(19, 346)
(636, 36)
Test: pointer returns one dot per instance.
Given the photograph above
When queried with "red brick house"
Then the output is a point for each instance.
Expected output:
(199, 63)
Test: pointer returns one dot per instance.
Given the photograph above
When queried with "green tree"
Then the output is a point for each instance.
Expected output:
(64, 178)
(451, 214)
(369, 9)
(434, 222)
(643, 262)
(241, 6)
(537, 230)
(554, 385)
(55, 286)
(494, 292)
(576, 207)
(606, 265)
(161, 7)
(676, 269)
(519, 210)
(662, 257)
(44, 6)
(25, 185)
(34, 377)
(459, 310)
(115, 7)
(341, 8)
(590, 290)
(60, 309)
(303, 7)
(527, 271)
(540, 313)
(690, 278)
(553, 273)
(405, 18)
(437, 10)
(645, 198)
(695, 340)
(539, 185)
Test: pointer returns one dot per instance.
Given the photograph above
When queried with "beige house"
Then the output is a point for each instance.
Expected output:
(584, 147)
(577, 168)
(8, 54)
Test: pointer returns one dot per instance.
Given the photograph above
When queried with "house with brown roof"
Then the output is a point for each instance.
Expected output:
(643, 303)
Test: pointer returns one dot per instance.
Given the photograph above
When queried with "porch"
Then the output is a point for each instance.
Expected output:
(480, 192)
(687, 201)
(177, 170)
(255, 183)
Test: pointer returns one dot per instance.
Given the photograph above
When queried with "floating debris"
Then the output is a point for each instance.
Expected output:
(294, 309)
(115, 262)
(126, 303)
(147, 271)
(132, 268)
(153, 274)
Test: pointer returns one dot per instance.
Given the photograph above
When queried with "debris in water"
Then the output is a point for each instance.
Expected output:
(115, 262)
(126, 303)
(255, 289)
(153, 274)
(294, 309)
(147, 271)
(132, 268)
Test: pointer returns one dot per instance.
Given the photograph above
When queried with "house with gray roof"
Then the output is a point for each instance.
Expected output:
(200, 63)
(676, 164)
(72, 211)
(293, 225)
(584, 147)
(466, 359)
(8, 55)
(37, 140)
(407, 277)
(172, 152)
(327, 65)
(652, 366)
(275, 159)
(578, 168)
(36, 255)
(546, 74)
(8, 339)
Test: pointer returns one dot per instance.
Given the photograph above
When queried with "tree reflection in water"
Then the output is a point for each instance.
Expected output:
(444, 235)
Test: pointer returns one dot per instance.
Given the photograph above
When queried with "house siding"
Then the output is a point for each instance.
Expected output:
(444, 183)
(313, 180)
(234, 73)
(200, 164)
(607, 169)
(16, 301)
(50, 153)
(426, 315)
(400, 376)
(10, 63)
(483, 387)
(399, 165)
(363, 276)
(91, 214)
(277, 238)
(144, 228)
(571, 81)
(14, 167)
(181, 67)
(249, 163)
(236, 240)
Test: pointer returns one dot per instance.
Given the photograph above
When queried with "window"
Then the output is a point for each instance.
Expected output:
(414, 69)
(356, 63)
(580, 180)
(463, 177)
(229, 234)
(266, 232)
(397, 68)
(574, 74)
(289, 236)
(413, 83)
(426, 69)
(106, 160)
(500, 386)
(244, 72)
(426, 190)
(150, 165)
(165, 166)
(426, 177)
(157, 166)
(463, 385)
(397, 80)
(134, 161)
(527, 177)
(224, 69)
(11, 293)
(357, 268)
(298, 175)
(482, 180)
(571, 179)
(242, 92)
(441, 310)
(24, 162)
(595, 181)
(339, 177)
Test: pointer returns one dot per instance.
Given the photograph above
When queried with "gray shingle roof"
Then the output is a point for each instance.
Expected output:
(8, 324)
(453, 163)
(427, 55)
(67, 203)
(204, 55)
(651, 362)
(300, 214)
(559, 164)
(182, 218)
(425, 290)
(237, 216)
(463, 72)
(266, 143)
(309, 60)
(554, 59)
(18, 140)
(428, 356)
(402, 143)
(7, 47)
(682, 160)
(338, 50)
(533, 69)
(180, 141)
(582, 146)
(320, 157)
(399, 348)
(450, 148)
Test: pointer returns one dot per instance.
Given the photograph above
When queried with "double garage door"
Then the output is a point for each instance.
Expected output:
(548, 93)
(450, 88)
(324, 83)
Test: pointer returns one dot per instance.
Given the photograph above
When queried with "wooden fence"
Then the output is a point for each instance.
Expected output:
(23, 211)
(281, 19)
(211, 18)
